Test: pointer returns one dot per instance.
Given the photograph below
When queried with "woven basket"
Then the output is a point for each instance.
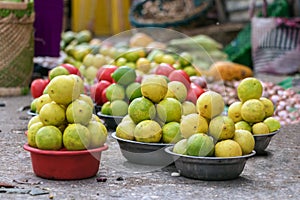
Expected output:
(167, 13)
(16, 47)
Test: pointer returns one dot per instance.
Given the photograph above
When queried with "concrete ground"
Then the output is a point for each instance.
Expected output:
(275, 175)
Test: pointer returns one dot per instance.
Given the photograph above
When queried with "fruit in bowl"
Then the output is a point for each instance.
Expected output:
(254, 113)
(65, 130)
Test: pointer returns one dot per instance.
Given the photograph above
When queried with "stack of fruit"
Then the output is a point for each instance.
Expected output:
(253, 112)
(227, 136)
(38, 86)
(155, 116)
(65, 117)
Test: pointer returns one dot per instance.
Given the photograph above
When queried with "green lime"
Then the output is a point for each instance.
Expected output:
(49, 138)
(124, 75)
(115, 91)
(133, 91)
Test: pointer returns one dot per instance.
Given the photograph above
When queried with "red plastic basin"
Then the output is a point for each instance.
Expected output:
(64, 164)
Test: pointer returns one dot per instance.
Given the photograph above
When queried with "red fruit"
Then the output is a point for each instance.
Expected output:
(164, 69)
(71, 68)
(104, 73)
(197, 89)
(103, 96)
(182, 76)
(37, 87)
(191, 96)
(97, 89)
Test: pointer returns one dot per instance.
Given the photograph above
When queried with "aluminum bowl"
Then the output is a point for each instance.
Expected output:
(209, 168)
(262, 141)
(64, 164)
(144, 153)
(110, 121)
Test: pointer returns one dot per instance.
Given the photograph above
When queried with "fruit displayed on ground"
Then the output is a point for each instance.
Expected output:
(253, 109)
(65, 118)
(286, 101)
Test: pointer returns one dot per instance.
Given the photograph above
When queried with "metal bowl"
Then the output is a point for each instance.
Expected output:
(110, 121)
(144, 153)
(262, 141)
(209, 168)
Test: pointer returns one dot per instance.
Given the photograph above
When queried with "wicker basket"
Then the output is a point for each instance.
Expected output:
(167, 13)
(16, 47)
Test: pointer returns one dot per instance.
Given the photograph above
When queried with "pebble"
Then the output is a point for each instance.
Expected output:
(175, 174)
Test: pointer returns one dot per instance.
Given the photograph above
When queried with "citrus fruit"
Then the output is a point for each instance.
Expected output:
(57, 71)
(245, 140)
(158, 57)
(200, 144)
(64, 89)
(98, 134)
(133, 91)
(52, 114)
(76, 137)
(33, 120)
(119, 108)
(148, 131)
(234, 111)
(268, 105)
(125, 130)
(79, 112)
(190, 70)
(243, 125)
(87, 99)
(185, 58)
(143, 64)
(121, 61)
(260, 128)
(221, 128)
(228, 148)
(188, 107)
(78, 82)
(169, 110)
(88, 60)
(210, 104)
(180, 147)
(154, 87)
(249, 88)
(177, 90)
(115, 91)
(90, 74)
(127, 118)
(141, 109)
(49, 138)
(32, 132)
(106, 108)
(98, 60)
(171, 132)
(253, 111)
(193, 123)
(32, 105)
(124, 75)
(167, 58)
(95, 118)
(41, 101)
(272, 123)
